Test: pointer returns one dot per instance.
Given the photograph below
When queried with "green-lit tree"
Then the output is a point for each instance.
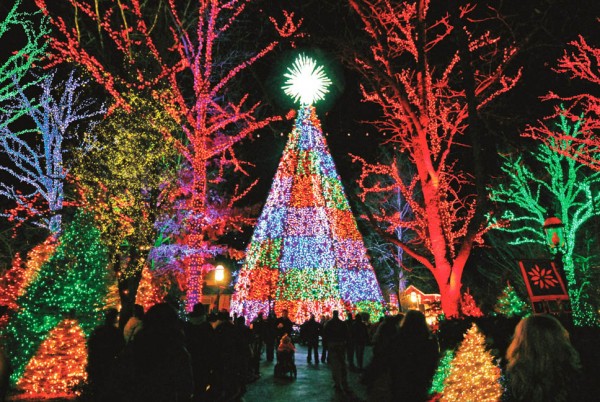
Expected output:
(29, 29)
(442, 372)
(71, 284)
(527, 190)
(510, 304)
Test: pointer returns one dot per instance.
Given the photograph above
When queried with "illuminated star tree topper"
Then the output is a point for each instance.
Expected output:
(306, 81)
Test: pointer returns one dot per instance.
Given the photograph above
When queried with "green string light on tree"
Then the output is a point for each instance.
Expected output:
(71, 284)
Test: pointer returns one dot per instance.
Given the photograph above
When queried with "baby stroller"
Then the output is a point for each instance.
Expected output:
(285, 365)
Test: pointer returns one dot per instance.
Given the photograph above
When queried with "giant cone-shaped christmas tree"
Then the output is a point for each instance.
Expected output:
(306, 254)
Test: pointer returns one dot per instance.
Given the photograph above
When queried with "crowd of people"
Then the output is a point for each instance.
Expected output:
(156, 356)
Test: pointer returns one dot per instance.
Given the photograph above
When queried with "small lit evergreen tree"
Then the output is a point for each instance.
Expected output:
(71, 284)
(473, 376)
(510, 304)
(59, 365)
(442, 372)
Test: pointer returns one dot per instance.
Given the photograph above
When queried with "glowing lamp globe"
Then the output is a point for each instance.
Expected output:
(554, 232)
(306, 81)
(219, 273)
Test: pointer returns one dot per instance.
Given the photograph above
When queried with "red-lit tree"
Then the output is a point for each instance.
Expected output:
(429, 88)
(192, 73)
(580, 63)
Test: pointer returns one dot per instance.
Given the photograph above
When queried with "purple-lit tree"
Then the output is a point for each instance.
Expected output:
(35, 145)
(551, 178)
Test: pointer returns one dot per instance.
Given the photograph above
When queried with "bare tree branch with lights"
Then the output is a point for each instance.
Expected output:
(193, 75)
(580, 63)
(56, 117)
(415, 74)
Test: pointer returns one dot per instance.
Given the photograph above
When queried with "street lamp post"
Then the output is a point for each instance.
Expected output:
(219, 276)
(555, 240)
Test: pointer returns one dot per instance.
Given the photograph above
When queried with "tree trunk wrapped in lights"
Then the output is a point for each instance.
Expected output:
(192, 72)
(429, 94)
(306, 254)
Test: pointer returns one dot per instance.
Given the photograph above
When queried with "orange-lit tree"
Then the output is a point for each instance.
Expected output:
(58, 366)
(580, 63)
(429, 89)
(191, 71)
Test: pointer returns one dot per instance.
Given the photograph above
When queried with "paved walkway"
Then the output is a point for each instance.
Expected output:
(313, 384)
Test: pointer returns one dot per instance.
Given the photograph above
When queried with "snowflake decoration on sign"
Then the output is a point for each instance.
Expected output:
(306, 82)
(542, 277)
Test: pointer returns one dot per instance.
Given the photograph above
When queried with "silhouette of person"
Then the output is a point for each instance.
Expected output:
(201, 344)
(414, 354)
(310, 332)
(104, 345)
(336, 333)
(162, 363)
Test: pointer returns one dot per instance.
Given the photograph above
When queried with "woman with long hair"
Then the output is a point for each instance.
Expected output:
(542, 365)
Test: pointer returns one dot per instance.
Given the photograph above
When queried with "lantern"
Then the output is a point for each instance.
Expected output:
(554, 232)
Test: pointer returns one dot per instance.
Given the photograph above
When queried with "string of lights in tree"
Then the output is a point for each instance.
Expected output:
(509, 304)
(473, 374)
(184, 72)
(123, 176)
(72, 283)
(22, 272)
(442, 372)
(577, 62)
(55, 116)
(59, 365)
(425, 109)
(32, 27)
(468, 307)
(306, 254)
(550, 178)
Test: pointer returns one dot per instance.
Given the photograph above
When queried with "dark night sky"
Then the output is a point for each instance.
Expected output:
(541, 28)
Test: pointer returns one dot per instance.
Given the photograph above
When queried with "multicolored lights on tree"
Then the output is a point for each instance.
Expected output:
(306, 254)
(72, 284)
(193, 79)
(579, 63)
(32, 28)
(473, 374)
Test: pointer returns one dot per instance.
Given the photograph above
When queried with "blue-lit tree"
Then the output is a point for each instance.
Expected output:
(30, 27)
(35, 145)
(552, 179)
